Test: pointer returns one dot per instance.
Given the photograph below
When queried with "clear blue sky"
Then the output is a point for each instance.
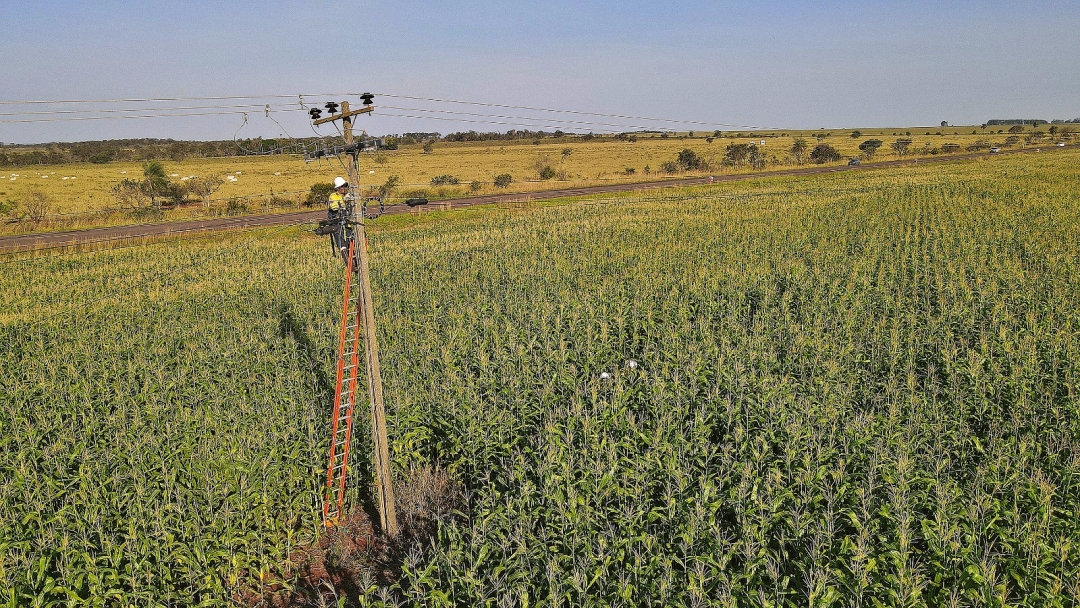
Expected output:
(783, 63)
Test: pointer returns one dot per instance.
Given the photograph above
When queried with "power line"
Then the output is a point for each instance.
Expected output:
(70, 118)
(492, 122)
(244, 106)
(299, 98)
(159, 99)
(602, 115)
(581, 122)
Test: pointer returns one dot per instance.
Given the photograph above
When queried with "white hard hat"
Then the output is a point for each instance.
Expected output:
(339, 182)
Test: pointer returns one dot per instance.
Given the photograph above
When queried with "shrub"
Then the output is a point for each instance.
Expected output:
(130, 194)
(503, 180)
(950, 148)
(444, 180)
(547, 172)
(824, 153)
(476, 186)
(319, 194)
(689, 160)
(235, 206)
(669, 167)
(629, 171)
(37, 205)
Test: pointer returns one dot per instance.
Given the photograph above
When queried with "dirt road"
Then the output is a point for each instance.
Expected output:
(53, 240)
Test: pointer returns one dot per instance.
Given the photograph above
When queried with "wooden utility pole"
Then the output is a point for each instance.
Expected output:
(387, 513)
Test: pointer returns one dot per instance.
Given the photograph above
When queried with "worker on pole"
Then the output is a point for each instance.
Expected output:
(339, 210)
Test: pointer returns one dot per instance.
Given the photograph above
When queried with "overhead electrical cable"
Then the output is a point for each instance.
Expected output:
(600, 114)
(300, 102)
(157, 99)
(577, 122)
(493, 122)
(70, 118)
(245, 106)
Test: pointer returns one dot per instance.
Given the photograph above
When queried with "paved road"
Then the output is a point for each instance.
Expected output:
(51, 240)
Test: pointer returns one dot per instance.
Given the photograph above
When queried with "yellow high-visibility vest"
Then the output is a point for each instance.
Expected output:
(336, 202)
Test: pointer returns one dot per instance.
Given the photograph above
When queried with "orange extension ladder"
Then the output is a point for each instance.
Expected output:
(348, 365)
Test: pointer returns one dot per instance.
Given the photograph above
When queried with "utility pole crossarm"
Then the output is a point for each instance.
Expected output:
(345, 113)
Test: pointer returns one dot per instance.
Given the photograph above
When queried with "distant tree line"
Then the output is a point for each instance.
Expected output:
(141, 150)
(1015, 121)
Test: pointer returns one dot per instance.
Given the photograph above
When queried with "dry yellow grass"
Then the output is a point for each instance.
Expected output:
(78, 188)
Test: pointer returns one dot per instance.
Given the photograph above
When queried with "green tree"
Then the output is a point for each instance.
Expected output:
(503, 180)
(870, 147)
(735, 154)
(688, 160)
(155, 181)
(798, 150)
(856, 134)
(900, 146)
(824, 153)
(205, 187)
(388, 187)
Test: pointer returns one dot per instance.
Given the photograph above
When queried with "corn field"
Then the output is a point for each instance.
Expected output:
(851, 390)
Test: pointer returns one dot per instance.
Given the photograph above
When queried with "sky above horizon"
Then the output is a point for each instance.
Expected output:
(776, 64)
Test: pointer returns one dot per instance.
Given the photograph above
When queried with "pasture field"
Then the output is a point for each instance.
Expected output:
(80, 194)
(858, 389)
